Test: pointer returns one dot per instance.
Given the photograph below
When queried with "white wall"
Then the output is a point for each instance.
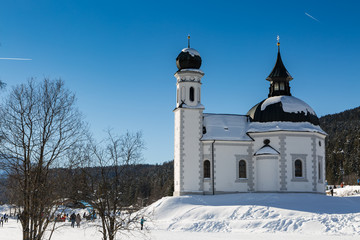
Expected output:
(225, 163)
(267, 169)
(188, 150)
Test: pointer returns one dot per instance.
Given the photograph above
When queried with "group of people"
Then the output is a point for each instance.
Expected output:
(4, 218)
(75, 218)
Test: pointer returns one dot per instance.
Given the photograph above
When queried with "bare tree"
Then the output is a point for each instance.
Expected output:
(2, 85)
(110, 183)
(39, 125)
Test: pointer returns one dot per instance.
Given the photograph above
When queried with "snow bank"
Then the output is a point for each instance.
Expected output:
(251, 216)
(258, 213)
(347, 191)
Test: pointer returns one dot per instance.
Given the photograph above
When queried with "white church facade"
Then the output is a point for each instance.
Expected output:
(278, 146)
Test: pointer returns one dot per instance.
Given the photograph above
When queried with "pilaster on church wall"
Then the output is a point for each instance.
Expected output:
(192, 129)
(177, 150)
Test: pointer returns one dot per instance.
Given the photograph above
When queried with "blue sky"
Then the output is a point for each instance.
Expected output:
(119, 56)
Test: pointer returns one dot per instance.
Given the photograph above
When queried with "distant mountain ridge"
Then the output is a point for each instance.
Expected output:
(342, 146)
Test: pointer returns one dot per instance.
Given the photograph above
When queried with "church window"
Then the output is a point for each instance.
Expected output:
(282, 86)
(242, 169)
(319, 166)
(276, 86)
(206, 169)
(298, 168)
(192, 97)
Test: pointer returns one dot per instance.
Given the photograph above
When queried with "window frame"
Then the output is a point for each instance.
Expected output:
(297, 171)
(242, 169)
(206, 169)
(302, 158)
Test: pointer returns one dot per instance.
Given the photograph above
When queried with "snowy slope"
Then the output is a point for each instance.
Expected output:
(250, 216)
(259, 213)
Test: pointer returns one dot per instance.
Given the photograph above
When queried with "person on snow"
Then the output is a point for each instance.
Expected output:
(78, 220)
(331, 191)
(2, 221)
(73, 219)
(142, 220)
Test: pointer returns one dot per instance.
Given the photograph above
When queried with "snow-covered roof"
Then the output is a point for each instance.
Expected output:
(229, 127)
(266, 150)
(290, 104)
(284, 126)
(191, 51)
(225, 127)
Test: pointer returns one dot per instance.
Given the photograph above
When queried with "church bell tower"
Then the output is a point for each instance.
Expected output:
(188, 123)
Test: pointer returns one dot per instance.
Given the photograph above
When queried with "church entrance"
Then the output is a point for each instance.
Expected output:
(267, 174)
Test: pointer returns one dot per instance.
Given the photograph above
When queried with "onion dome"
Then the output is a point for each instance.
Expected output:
(189, 58)
(283, 109)
(280, 106)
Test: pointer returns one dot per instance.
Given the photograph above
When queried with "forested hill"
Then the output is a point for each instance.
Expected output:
(342, 145)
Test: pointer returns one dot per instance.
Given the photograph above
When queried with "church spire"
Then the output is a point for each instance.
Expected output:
(279, 77)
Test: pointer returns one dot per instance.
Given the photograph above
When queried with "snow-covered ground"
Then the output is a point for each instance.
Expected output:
(250, 216)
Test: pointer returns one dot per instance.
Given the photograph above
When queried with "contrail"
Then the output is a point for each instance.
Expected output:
(21, 59)
(311, 17)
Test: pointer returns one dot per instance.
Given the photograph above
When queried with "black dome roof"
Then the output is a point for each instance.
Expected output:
(283, 109)
(188, 58)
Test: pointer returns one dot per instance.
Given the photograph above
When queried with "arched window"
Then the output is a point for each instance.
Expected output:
(242, 169)
(192, 94)
(298, 168)
(206, 169)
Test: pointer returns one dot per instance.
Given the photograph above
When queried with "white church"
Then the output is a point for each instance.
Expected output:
(278, 146)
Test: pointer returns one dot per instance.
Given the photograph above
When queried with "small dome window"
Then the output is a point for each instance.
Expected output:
(282, 86)
(276, 86)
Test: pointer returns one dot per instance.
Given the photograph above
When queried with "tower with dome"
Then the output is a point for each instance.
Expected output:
(278, 146)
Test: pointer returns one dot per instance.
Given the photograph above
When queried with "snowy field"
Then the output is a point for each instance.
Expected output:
(235, 216)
